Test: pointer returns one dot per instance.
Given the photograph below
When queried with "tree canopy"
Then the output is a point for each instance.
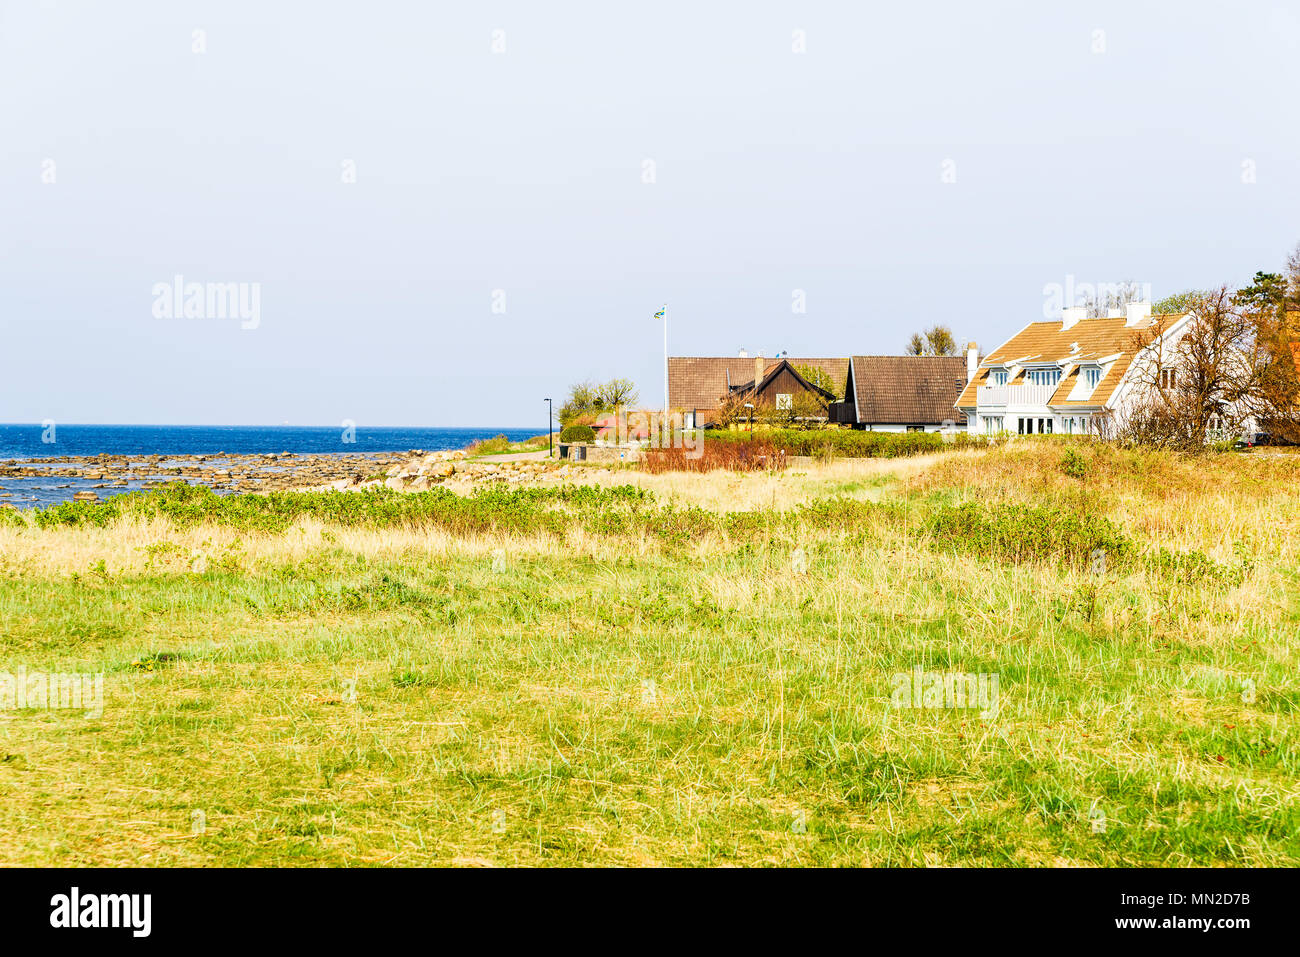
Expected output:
(935, 341)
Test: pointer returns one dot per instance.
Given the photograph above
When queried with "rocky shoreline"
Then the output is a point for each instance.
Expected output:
(458, 474)
(97, 476)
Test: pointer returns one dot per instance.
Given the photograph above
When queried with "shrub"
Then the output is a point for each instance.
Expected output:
(578, 433)
(492, 446)
(848, 443)
(1024, 533)
(752, 456)
(1073, 464)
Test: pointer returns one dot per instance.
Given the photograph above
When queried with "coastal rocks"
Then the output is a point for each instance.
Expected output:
(227, 473)
(85, 495)
(414, 471)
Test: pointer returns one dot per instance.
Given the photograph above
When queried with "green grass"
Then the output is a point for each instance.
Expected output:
(678, 691)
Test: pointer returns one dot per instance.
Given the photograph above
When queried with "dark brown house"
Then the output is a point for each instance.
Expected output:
(778, 387)
(698, 385)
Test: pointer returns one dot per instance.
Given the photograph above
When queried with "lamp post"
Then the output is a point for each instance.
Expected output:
(549, 430)
(750, 407)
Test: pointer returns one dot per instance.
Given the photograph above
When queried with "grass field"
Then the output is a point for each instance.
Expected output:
(697, 671)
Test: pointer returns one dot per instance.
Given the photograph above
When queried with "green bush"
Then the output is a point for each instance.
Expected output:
(1074, 465)
(1024, 533)
(848, 443)
(578, 433)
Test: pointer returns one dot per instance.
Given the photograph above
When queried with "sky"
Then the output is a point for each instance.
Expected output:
(449, 212)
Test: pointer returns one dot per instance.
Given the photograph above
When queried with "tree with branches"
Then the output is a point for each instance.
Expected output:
(587, 400)
(1206, 382)
(936, 341)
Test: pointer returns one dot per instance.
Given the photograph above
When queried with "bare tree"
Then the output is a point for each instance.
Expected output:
(1208, 381)
(1293, 279)
(1112, 296)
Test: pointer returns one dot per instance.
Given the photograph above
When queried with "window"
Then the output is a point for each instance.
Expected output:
(1043, 376)
(1092, 375)
(1168, 379)
(993, 424)
(784, 400)
(1049, 426)
(916, 428)
(999, 377)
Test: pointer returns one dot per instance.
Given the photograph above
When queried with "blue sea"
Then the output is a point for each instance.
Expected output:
(19, 441)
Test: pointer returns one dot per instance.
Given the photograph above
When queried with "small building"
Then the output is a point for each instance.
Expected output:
(779, 386)
(904, 393)
(699, 385)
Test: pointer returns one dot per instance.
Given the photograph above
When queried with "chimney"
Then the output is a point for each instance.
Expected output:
(743, 354)
(759, 365)
(972, 360)
(1138, 313)
(1071, 315)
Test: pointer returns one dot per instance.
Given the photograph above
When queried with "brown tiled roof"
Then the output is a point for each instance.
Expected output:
(1049, 342)
(907, 390)
(700, 382)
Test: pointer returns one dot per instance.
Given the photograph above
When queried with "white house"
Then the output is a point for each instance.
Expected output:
(1070, 375)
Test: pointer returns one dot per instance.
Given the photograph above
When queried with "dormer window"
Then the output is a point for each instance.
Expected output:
(999, 377)
(1043, 376)
(1092, 375)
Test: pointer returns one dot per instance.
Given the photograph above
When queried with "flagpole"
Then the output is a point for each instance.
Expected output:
(665, 365)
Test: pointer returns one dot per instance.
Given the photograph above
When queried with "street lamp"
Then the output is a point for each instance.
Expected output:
(549, 430)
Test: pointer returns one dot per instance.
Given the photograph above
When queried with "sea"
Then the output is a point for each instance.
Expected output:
(29, 441)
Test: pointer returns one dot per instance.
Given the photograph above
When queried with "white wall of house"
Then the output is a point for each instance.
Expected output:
(1032, 422)
(894, 427)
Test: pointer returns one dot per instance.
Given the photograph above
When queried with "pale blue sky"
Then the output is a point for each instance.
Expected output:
(522, 171)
